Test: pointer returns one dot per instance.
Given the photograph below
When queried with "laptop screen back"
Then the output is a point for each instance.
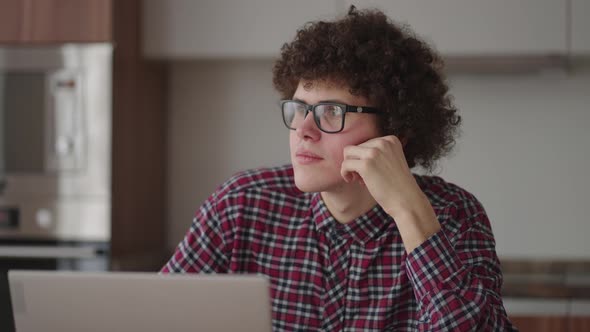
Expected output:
(124, 301)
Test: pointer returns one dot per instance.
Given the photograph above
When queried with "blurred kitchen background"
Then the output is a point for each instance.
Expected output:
(138, 110)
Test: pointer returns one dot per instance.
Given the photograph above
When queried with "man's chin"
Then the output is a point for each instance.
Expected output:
(314, 185)
(315, 179)
(305, 182)
(307, 188)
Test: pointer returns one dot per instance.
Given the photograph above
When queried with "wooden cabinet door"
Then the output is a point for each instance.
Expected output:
(579, 324)
(12, 20)
(57, 21)
(579, 318)
(540, 323)
(226, 28)
(580, 42)
(482, 27)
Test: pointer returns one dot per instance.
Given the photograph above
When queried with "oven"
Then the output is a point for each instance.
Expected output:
(55, 160)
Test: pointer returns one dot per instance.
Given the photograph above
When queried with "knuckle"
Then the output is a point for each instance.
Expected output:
(364, 165)
(373, 161)
(393, 139)
(373, 153)
(382, 143)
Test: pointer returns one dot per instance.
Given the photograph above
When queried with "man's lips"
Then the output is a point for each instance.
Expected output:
(307, 154)
(307, 157)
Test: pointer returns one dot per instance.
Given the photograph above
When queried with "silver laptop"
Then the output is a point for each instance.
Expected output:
(142, 302)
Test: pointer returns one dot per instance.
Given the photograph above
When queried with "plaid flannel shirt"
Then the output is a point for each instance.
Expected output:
(330, 276)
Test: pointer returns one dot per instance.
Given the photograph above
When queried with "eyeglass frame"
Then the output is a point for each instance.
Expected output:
(311, 108)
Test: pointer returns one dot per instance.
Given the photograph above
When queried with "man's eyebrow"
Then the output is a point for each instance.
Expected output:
(321, 101)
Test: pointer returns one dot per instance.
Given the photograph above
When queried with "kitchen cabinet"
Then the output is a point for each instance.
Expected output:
(549, 315)
(482, 27)
(538, 314)
(258, 28)
(540, 323)
(551, 323)
(55, 21)
(579, 324)
(580, 10)
(12, 13)
(226, 28)
(138, 113)
(579, 319)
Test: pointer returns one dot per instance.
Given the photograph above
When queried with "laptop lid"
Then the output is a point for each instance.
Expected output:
(143, 302)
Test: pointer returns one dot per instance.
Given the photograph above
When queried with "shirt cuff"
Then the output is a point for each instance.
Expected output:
(434, 266)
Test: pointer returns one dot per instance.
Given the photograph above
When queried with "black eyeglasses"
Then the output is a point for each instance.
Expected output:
(328, 116)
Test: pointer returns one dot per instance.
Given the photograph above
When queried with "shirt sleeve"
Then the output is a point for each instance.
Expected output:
(204, 248)
(457, 279)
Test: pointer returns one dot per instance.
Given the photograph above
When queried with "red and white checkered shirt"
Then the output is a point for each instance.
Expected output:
(349, 277)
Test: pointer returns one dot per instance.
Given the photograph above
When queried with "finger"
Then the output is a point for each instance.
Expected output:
(374, 142)
(385, 143)
(351, 170)
(360, 152)
(351, 177)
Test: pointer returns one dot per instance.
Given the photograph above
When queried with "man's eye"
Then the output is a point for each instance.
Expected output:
(333, 111)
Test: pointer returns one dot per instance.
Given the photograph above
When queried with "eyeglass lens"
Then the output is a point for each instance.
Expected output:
(328, 117)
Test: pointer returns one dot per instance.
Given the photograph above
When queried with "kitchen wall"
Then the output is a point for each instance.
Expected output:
(524, 151)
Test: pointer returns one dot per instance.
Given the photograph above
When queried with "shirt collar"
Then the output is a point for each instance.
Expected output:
(363, 229)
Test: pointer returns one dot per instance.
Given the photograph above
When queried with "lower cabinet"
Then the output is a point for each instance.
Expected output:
(579, 323)
(551, 324)
(540, 323)
(549, 315)
(579, 314)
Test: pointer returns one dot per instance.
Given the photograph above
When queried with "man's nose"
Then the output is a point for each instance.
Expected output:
(308, 128)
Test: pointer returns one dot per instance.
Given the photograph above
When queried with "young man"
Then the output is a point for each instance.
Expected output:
(349, 238)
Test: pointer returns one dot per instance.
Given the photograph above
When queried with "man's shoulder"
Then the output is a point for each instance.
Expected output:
(443, 194)
(278, 179)
(457, 209)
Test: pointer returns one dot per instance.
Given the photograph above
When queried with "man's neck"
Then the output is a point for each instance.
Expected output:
(348, 202)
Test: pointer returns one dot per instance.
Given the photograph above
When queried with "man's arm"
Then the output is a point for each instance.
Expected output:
(457, 281)
(380, 165)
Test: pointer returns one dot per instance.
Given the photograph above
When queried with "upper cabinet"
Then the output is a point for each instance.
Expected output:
(226, 28)
(55, 21)
(12, 13)
(580, 27)
(258, 28)
(482, 27)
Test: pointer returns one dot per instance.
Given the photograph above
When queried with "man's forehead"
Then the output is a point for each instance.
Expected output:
(329, 83)
(335, 89)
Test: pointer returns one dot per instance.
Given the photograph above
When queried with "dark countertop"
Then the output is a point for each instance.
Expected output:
(546, 279)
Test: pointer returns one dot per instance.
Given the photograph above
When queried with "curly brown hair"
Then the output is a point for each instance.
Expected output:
(388, 65)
